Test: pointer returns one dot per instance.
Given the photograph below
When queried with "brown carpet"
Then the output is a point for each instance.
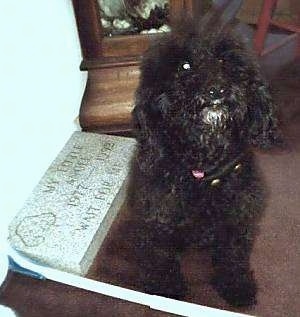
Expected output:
(276, 256)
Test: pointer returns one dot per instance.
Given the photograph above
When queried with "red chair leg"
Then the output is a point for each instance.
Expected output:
(298, 41)
(263, 25)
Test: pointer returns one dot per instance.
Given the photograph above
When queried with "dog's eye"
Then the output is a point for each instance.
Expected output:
(186, 65)
(217, 93)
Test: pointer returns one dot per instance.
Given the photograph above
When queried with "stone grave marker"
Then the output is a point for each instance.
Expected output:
(66, 218)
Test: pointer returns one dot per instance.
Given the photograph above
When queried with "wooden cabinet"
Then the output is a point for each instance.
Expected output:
(112, 63)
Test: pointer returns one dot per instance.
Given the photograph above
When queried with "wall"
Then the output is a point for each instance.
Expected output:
(40, 92)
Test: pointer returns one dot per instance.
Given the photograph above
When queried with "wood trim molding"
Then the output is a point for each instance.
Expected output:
(108, 99)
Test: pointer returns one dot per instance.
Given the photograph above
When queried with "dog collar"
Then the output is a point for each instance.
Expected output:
(216, 178)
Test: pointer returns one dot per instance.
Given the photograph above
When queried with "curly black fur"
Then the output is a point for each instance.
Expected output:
(200, 105)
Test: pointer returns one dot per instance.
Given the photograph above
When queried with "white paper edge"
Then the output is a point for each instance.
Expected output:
(154, 302)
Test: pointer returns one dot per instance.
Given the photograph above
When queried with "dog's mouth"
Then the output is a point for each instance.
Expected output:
(215, 116)
(204, 173)
(198, 174)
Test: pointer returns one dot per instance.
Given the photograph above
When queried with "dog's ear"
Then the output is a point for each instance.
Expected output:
(264, 131)
(145, 123)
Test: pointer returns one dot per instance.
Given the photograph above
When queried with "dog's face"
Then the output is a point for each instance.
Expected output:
(205, 96)
(203, 87)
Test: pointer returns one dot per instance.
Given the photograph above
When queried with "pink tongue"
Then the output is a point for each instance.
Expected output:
(198, 174)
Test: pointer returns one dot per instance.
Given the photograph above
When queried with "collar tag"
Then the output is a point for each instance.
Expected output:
(215, 182)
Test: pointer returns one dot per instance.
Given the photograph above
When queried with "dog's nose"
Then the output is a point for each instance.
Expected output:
(216, 92)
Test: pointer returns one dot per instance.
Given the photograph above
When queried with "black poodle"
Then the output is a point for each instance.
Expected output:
(200, 106)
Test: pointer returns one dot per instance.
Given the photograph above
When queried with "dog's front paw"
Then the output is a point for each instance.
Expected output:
(238, 291)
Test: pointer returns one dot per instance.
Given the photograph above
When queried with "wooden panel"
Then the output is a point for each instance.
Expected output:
(113, 67)
(191, 6)
(183, 8)
(108, 99)
(89, 27)
(111, 62)
(176, 8)
(94, 45)
(126, 45)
